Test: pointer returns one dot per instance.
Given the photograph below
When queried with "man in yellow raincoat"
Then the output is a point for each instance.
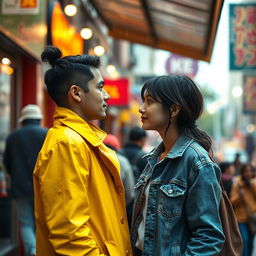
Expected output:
(79, 196)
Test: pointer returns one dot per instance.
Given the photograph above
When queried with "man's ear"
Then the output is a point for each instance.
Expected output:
(175, 110)
(75, 92)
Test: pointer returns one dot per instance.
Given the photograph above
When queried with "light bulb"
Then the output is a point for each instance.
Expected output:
(6, 61)
(111, 68)
(99, 50)
(86, 33)
(70, 10)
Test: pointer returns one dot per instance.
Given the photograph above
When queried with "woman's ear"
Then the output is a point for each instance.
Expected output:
(75, 93)
(175, 109)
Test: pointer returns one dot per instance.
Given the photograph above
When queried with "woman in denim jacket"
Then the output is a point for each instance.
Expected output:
(176, 209)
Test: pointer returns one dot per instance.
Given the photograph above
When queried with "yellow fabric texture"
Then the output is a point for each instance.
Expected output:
(79, 196)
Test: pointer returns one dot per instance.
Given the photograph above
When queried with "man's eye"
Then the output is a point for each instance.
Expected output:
(149, 101)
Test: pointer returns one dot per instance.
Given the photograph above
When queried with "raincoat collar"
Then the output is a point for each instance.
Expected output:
(90, 132)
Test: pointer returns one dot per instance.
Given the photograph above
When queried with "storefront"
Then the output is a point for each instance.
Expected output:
(22, 38)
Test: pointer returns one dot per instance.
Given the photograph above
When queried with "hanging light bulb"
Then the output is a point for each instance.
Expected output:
(99, 50)
(86, 33)
(70, 9)
(111, 68)
(6, 61)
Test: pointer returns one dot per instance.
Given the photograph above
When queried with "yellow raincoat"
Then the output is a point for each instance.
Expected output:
(79, 196)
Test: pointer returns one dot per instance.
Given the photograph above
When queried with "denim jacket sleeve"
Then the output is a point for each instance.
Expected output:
(202, 210)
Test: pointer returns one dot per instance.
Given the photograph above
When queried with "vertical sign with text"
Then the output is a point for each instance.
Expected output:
(249, 96)
(242, 36)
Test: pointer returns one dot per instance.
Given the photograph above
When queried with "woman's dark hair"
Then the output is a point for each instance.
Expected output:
(182, 91)
(67, 71)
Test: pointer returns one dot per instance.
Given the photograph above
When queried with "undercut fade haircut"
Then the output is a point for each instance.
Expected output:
(67, 71)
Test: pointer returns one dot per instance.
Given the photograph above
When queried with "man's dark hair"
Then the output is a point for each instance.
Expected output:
(67, 71)
(137, 134)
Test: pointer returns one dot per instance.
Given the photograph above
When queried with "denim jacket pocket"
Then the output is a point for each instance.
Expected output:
(171, 198)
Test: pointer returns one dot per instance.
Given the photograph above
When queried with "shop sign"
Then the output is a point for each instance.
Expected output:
(62, 34)
(20, 6)
(119, 92)
(26, 22)
(177, 64)
(242, 36)
(249, 96)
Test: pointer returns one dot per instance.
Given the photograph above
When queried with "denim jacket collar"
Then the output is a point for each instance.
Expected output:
(178, 149)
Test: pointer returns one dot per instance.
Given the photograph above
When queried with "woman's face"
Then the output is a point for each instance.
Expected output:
(248, 173)
(153, 115)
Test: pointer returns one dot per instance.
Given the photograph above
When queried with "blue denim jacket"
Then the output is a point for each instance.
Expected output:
(182, 215)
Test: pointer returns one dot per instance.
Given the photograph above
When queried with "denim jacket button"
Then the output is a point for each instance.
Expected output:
(170, 190)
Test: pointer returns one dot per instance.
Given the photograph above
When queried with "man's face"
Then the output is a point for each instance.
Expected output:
(94, 102)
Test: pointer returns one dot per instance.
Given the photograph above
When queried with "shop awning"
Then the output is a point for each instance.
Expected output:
(185, 27)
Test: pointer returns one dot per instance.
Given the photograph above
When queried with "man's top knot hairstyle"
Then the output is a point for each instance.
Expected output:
(51, 55)
(67, 71)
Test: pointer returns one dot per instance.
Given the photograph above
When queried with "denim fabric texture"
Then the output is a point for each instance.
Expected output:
(182, 215)
(247, 237)
(25, 211)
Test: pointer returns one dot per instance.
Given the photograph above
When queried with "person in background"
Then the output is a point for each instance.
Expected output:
(243, 198)
(133, 150)
(177, 196)
(21, 151)
(79, 195)
(126, 170)
(237, 163)
(227, 175)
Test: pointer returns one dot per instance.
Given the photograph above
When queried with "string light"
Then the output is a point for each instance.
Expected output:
(70, 9)
(6, 61)
(99, 50)
(86, 33)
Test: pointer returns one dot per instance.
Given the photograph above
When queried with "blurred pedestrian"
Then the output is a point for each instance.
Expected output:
(227, 175)
(126, 171)
(21, 151)
(243, 198)
(79, 196)
(177, 197)
(133, 150)
(237, 163)
(250, 146)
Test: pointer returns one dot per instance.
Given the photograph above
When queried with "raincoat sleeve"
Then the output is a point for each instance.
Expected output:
(66, 209)
(202, 209)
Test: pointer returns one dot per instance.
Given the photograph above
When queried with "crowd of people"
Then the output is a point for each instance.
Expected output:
(93, 196)
(239, 181)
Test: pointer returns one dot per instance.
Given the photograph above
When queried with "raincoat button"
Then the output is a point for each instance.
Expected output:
(119, 189)
(126, 252)
(122, 220)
